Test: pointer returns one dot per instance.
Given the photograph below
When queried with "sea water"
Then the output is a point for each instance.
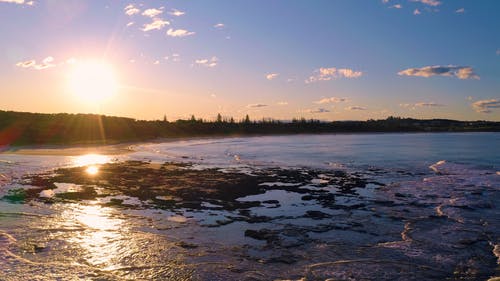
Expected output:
(432, 214)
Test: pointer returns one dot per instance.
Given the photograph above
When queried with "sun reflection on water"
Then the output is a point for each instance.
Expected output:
(90, 159)
(102, 240)
(92, 170)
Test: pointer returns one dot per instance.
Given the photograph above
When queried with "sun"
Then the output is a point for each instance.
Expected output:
(93, 82)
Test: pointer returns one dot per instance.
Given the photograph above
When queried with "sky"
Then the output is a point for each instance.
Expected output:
(281, 59)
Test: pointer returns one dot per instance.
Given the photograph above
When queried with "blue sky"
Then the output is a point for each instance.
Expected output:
(324, 59)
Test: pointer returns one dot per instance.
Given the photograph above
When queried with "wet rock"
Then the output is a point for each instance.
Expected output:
(317, 215)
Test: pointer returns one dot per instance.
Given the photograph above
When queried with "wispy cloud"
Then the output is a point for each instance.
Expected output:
(486, 106)
(416, 12)
(331, 100)
(20, 2)
(272, 76)
(460, 11)
(212, 62)
(131, 10)
(413, 106)
(498, 52)
(47, 62)
(396, 6)
(219, 25)
(432, 3)
(152, 12)
(282, 103)
(326, 74)
(316, 110)
(356, 107)
(179, 32)
(428, 104)
(460, 72)
(130, 23)
(177, 13)
(256, 105)
(156, 24)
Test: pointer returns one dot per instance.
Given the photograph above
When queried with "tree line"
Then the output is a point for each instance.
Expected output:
(24, 128)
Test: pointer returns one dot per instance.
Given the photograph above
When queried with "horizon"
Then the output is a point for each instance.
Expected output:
(325, 60)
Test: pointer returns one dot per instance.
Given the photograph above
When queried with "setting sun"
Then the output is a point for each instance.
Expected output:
(93, 81)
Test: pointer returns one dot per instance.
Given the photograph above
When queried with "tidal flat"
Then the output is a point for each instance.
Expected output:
(182, 221)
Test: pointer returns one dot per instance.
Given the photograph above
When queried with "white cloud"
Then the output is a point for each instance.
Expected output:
(157, 24)
(396, 6)
(460, 72)
(131, 10)
(152, 12)
(326, 74)
(498, 52)
(212, 62)
(282, 103)
(46, 63)
(460, 11)
(179, 32)
(256, 105)
(432, 3)
(20, 2)
(428, 104)
(26, 64)
(331, 100)
(413, 106)
(317, 110)
(355, 108)
(219, 26)
(272, 76)
(177, 13)
(156, 62)
(416, 12)
(486, 106)
(130, 23)
(385, 1)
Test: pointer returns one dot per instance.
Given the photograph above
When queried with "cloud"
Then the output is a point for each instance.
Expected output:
(282, 103)
(20, 2)
(355, 108)
(256, 105)
(212, 62)
(460, 72)
(272, 76)
(26, 64)
(326, 74)
(498, 52)
(46, 63)
(130, 23)
(385, 1)
(179, 32)
(152, 12)
(460, 11)
(317, 110)
(432, 3)
(485, 106)
(396, 6)
(331, 100)
(428, 104)
(157, 24)
(219, 25)
(416, 12)
(413, 106)
(177, 13)
(131, 10)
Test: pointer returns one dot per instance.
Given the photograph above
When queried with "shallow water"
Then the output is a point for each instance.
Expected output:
(428, 210)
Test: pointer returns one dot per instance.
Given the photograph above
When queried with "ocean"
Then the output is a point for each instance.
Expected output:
(412, 206)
